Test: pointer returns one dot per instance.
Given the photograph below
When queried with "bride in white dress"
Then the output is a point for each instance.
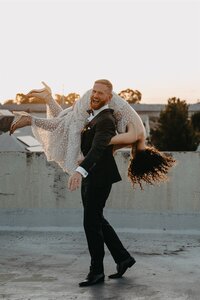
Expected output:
(60, 135)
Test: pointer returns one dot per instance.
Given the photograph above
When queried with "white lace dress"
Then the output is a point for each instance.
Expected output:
(60, 133)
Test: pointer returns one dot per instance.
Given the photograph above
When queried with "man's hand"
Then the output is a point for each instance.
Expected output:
(74, 181)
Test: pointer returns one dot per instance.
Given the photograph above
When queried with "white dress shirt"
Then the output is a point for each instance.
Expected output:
(81, 170)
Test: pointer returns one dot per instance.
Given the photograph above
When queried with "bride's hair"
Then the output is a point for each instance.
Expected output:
(148, 166)
(106, 83)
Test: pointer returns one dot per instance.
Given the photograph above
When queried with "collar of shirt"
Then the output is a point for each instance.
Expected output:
(97, 111)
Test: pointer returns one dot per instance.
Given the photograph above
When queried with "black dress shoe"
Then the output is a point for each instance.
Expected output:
(92, 279)
(122, 267)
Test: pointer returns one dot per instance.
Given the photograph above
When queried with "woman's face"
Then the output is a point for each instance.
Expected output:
(101, 95)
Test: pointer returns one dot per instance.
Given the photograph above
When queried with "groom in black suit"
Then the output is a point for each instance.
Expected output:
(96, 174)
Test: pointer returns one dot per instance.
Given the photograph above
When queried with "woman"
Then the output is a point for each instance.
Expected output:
(60, 133)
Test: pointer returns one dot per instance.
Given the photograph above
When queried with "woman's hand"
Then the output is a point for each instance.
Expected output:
(42, 94)
(21, 120)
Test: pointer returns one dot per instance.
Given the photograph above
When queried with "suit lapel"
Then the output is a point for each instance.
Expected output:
(95, 119)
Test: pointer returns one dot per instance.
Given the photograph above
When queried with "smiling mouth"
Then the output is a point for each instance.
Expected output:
(95, 101)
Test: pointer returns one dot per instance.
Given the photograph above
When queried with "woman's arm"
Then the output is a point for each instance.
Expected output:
(53, 108)
(125, 138)
(45, 94)
(128, 138)
(46, 124)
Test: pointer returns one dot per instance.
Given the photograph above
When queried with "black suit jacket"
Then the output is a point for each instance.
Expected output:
(99, 161)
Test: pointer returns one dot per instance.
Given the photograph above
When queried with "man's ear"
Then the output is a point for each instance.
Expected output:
(110, 97)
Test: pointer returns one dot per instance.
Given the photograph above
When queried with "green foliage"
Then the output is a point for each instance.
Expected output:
(195, 119)
(174, 131)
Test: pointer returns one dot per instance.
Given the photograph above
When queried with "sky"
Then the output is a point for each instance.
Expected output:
(151, 46)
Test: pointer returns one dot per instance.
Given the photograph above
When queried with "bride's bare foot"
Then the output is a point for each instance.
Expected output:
(20, 121)
(42, 94)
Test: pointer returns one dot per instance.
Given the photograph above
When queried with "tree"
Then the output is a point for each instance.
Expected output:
(195, 119)
(131, 96)
(61, 99)
(69, 99)
(9, 102)
(174, 131)
(21, 99)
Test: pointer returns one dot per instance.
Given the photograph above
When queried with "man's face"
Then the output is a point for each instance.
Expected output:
(101, 95)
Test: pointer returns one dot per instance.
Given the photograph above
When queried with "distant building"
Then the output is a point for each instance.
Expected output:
(148, 112)
(152, 110)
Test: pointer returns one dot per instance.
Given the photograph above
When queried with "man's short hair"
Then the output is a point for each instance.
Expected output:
(105, 82)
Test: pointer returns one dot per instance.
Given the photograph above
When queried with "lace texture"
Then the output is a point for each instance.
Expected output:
(60, 133)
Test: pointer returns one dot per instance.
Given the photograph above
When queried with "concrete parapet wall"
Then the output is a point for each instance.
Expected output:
(33, 193)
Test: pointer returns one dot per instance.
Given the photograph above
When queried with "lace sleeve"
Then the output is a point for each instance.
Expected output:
(53, 108)
(60, 137)
(46, 124)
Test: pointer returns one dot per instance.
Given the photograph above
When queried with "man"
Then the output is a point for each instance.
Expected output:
(96, 174)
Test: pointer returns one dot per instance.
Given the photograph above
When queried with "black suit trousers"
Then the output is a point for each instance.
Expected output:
(97, 229)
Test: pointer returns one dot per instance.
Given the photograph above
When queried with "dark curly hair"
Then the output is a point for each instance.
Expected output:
(149, 166)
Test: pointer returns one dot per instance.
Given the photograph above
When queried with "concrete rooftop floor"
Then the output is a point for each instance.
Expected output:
(49, 265)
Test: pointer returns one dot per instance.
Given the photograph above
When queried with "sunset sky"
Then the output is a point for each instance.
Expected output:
(152, 46)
